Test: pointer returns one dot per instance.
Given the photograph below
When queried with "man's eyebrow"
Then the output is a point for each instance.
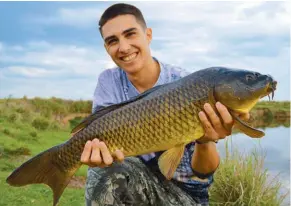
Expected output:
(124, 32)
(128, 30)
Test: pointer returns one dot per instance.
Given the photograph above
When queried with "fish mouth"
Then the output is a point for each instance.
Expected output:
(271, 90)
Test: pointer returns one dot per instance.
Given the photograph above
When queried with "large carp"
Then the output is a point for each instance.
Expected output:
(164, 118)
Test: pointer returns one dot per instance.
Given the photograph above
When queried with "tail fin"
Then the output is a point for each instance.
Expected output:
(42, 169)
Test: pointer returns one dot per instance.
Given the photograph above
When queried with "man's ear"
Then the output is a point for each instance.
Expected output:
(149, 34)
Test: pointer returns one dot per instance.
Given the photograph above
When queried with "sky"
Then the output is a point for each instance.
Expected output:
(54, 48)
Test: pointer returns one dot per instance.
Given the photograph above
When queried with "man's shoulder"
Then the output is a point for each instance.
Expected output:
(110, 73)
(174, 71)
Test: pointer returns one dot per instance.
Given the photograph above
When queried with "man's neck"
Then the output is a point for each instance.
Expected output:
(147, 77)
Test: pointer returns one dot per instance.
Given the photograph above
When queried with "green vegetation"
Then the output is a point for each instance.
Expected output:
(242, 180)
(29, 126)
(274, 106)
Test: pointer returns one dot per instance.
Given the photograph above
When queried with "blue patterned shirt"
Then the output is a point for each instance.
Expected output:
(113, 87)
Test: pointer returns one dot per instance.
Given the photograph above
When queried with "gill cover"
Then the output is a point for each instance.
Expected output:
(241, 125)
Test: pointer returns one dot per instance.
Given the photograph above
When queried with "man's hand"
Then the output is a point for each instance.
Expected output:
(217, 128)
(96, 154)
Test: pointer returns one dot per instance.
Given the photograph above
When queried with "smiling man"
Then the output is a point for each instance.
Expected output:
(137, 180)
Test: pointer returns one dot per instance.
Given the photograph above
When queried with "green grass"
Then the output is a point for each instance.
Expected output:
(24, 132)
(39, 195)
(19, 145)
(242, 180)
(274, 105)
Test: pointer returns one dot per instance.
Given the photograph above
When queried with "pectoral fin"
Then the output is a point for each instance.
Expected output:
(170, 159)
(248, 130)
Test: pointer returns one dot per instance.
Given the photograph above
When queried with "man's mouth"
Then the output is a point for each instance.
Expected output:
(129, 57)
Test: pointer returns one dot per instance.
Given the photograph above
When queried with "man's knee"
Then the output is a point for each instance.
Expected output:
(107, 180)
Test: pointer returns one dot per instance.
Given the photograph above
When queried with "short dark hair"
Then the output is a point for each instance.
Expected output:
(121, 9)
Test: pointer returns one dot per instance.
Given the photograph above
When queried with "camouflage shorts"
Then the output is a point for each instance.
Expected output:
(132, 184)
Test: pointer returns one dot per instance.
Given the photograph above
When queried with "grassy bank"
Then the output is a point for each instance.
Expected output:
(29, 126)
(242, 180)
(274, 106)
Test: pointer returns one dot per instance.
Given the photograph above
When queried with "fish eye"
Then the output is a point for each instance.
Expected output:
(250, 77)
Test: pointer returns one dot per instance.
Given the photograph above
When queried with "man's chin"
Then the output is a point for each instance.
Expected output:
(129, 68)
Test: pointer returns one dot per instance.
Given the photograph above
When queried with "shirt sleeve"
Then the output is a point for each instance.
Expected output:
(104, 92)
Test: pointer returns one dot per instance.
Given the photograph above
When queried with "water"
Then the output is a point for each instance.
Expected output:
(276, 147)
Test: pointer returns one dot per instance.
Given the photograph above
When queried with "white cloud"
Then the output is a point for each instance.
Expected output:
(80, 17)
(63, 60)
(235, 17)
(29, 71)
(221, 15)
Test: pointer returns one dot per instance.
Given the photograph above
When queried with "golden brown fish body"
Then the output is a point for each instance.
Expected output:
(164, 118)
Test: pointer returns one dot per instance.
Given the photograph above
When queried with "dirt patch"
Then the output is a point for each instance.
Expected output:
(66, 119)
(77, 182)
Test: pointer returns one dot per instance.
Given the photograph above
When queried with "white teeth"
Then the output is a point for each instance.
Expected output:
(130, 57)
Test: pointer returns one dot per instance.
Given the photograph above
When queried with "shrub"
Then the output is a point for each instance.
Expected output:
(14, 117)
(20, 110)
(6, 131)
(40, 123)
(17, 151)
(33, 134)
(242, 180)
(55, 126)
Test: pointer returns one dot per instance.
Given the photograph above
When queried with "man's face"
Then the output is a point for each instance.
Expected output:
(127, 42)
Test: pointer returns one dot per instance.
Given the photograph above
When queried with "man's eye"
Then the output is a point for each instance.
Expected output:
(130, 34)
(110, 42)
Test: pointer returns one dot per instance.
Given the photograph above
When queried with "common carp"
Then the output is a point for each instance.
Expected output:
(164, 118)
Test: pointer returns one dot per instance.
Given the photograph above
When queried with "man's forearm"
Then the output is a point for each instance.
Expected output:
(205, 159)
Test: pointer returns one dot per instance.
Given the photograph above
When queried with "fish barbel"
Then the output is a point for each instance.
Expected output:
(164, 118)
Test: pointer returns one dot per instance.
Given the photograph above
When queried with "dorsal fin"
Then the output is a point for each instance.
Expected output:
(104, 110)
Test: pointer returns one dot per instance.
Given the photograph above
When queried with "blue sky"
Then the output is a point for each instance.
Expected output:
(55, 49)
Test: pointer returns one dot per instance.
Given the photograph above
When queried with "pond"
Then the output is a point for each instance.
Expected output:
(276, 147)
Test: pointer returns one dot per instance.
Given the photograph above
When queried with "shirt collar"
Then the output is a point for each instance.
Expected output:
(129, 87)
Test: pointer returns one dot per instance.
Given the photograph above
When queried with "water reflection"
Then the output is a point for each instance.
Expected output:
(275, 145)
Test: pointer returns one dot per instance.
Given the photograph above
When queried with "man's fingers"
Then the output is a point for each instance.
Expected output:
(96, 154)
(226, 117)
(85, 157)
(209, 131)
(106, 156)
(119, 156)
(224, 113)
(213, 117)
(96, 158)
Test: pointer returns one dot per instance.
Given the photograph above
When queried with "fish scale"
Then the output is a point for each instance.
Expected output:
(115, 129)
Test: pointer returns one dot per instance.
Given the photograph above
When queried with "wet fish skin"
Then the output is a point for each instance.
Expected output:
(163, 118)
(170, 115)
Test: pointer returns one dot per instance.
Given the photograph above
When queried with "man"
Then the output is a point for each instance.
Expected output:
(137, 180)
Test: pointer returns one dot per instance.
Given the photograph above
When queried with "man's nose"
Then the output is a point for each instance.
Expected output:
(124, 46)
